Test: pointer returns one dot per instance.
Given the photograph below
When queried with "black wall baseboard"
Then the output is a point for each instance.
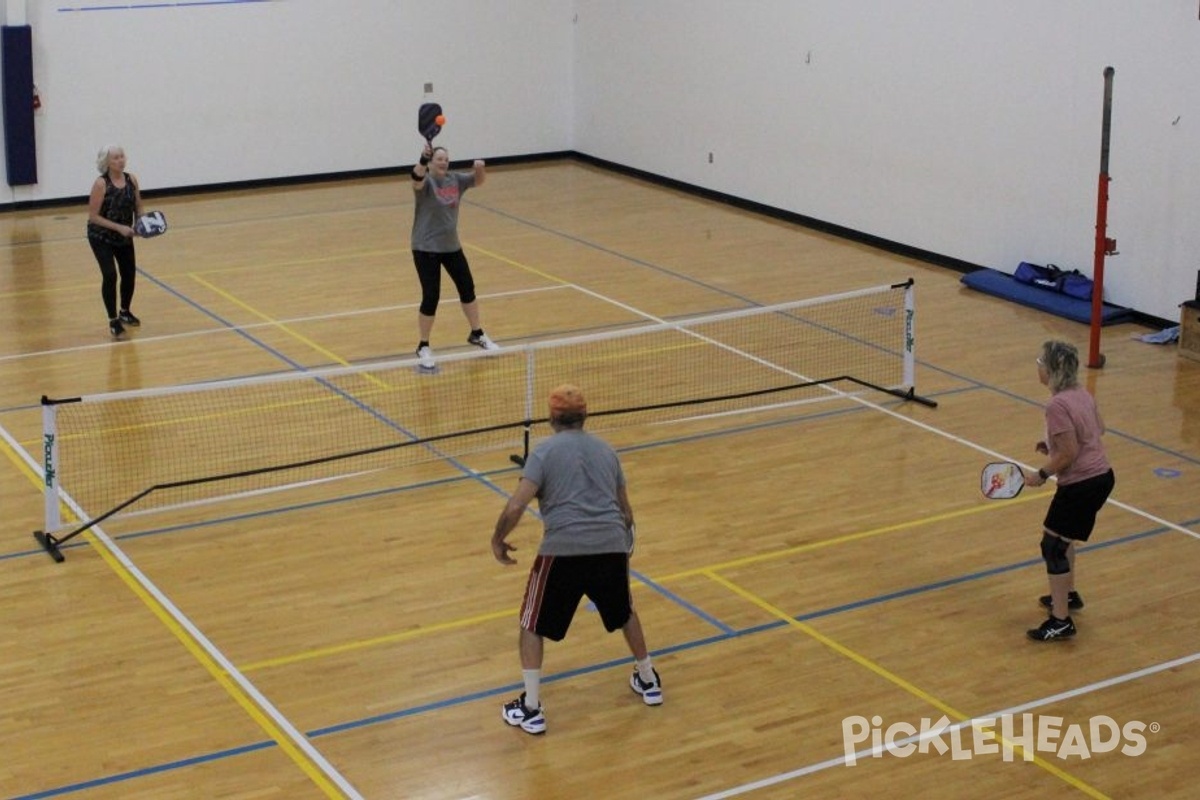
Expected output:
(290, 180)
(811, 223)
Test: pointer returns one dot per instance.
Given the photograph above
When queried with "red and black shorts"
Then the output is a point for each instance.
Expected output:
(558, 583)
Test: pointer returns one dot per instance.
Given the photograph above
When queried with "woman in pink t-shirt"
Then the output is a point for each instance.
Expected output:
(1075, 454)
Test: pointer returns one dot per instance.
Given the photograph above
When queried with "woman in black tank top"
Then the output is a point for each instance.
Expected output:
(113, 205)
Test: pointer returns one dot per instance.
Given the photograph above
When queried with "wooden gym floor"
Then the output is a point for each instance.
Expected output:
(835, 571)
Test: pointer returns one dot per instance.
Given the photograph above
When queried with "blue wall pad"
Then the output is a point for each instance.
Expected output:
(1000, 284)
(16, 72)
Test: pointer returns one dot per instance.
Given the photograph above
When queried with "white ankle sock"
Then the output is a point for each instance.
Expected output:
(645, 670)
(533, 680)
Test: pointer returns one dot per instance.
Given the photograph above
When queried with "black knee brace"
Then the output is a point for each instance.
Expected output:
(1054, 553)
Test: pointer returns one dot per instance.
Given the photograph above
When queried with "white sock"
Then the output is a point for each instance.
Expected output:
(533, 680)
(645, 670)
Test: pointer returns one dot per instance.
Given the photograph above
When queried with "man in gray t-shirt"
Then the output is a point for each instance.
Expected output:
(580, 487)
(581, 495)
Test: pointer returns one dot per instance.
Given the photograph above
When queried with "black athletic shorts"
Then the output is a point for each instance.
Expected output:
(558, 583)
(1072, 512)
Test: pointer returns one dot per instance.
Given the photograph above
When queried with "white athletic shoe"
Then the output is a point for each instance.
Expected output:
(531, 720)
(425, 358)
(482, 341)
(651, 692)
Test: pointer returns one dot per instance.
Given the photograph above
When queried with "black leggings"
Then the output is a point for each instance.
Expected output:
(429, 270)
(112, 258)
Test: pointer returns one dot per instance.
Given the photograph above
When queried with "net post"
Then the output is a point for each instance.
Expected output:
(53, 519)
(520, 459)
(52, 515)
(530, 364)
(910, 312)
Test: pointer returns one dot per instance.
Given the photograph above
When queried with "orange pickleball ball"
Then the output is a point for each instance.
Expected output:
(440, 119)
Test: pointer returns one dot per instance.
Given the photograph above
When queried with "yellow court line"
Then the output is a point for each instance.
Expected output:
(193, 647)
(56, 289)
(850, 537)
(707, 571)
(517, 264)
(80, 286)
(218, 674)
(896, 680)
(68, 515)
(309, 655)
(302, 262)
(192, 419)
(21, 466)
(283, 326)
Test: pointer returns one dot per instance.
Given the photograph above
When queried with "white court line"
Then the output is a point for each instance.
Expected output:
(255, 325)
(225, 498)
(265, 705)
(854, 396)
(997, 456)
(1002, 457)
(753, 410)
(783, 777)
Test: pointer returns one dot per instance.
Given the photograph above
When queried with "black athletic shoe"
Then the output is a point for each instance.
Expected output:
(1074, 601)
(1052, 630)
(128, 318)
(116, 328)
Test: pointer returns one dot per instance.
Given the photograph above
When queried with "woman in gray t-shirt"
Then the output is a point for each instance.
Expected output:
(438, 193)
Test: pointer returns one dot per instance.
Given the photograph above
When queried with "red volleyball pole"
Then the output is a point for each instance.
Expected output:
(1104, 245)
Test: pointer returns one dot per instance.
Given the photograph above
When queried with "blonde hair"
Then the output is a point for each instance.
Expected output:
(103, 156)
(1061, 361)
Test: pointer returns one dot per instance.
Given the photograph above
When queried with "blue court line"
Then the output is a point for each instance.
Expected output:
(381, 360)
(470, 697)
(695, 281)
(648, 265)
(465, 476)
(684, 604)
(794, 315)
(300, 368)
(615, 253)
(483, 477)
(986, 573)
(1110, 431)
(141, 773)
(662, 270)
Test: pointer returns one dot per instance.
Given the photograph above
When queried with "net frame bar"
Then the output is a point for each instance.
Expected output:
(54, 494)
(410, 361)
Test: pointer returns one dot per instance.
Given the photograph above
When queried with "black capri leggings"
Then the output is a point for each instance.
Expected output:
(114, 258)
(429, 270)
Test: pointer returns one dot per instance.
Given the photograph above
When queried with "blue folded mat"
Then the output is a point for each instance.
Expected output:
(1000, 284)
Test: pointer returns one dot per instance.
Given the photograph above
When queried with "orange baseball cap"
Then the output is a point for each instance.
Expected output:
(567, 399)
